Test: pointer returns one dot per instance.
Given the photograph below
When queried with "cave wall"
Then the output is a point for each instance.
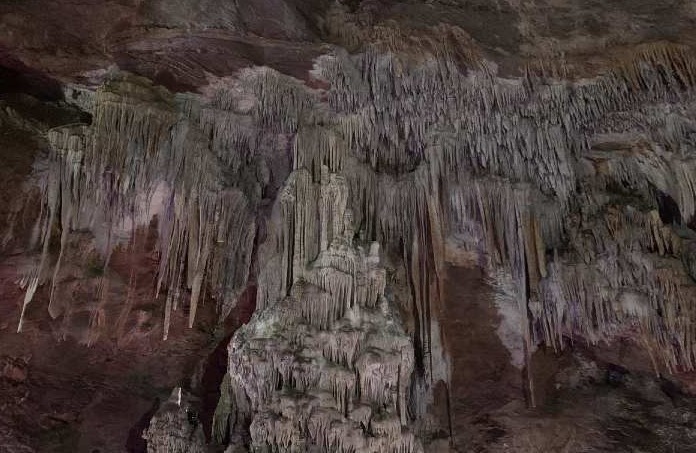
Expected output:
(349, 160)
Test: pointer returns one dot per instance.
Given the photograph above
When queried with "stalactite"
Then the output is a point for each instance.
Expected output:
(145, 142)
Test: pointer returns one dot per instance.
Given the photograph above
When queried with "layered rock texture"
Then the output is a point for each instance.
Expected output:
(459, 225)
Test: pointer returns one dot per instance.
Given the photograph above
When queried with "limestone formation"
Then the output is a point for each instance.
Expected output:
(338, 195)
(328, 365)
(175, 428)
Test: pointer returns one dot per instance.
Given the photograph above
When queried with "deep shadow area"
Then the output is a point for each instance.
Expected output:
(135, 442)
(216, 365)
(17, 77)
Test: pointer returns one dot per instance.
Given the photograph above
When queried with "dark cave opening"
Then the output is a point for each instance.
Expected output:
(216, 366)
(668, 209)
(17, 77)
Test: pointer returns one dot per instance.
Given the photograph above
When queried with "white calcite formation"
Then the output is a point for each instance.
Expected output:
(558, 184)
(174, 428)
(576, 195)
(150, 153)
(328, 366)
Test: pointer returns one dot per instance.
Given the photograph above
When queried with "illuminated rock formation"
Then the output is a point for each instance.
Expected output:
(336, 161)
(327, 366)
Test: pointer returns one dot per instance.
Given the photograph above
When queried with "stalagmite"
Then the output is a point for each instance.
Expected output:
(310, 365)
(519, 169)
(171, 429)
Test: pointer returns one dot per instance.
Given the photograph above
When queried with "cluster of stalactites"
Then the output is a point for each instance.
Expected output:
(427, 150)
(146, 154)
(61, 193)
(426, 147)
(394, 117)
(627, 269)
(283, 103)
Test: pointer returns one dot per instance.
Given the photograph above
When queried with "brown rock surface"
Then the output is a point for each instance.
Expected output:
(61, 396)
